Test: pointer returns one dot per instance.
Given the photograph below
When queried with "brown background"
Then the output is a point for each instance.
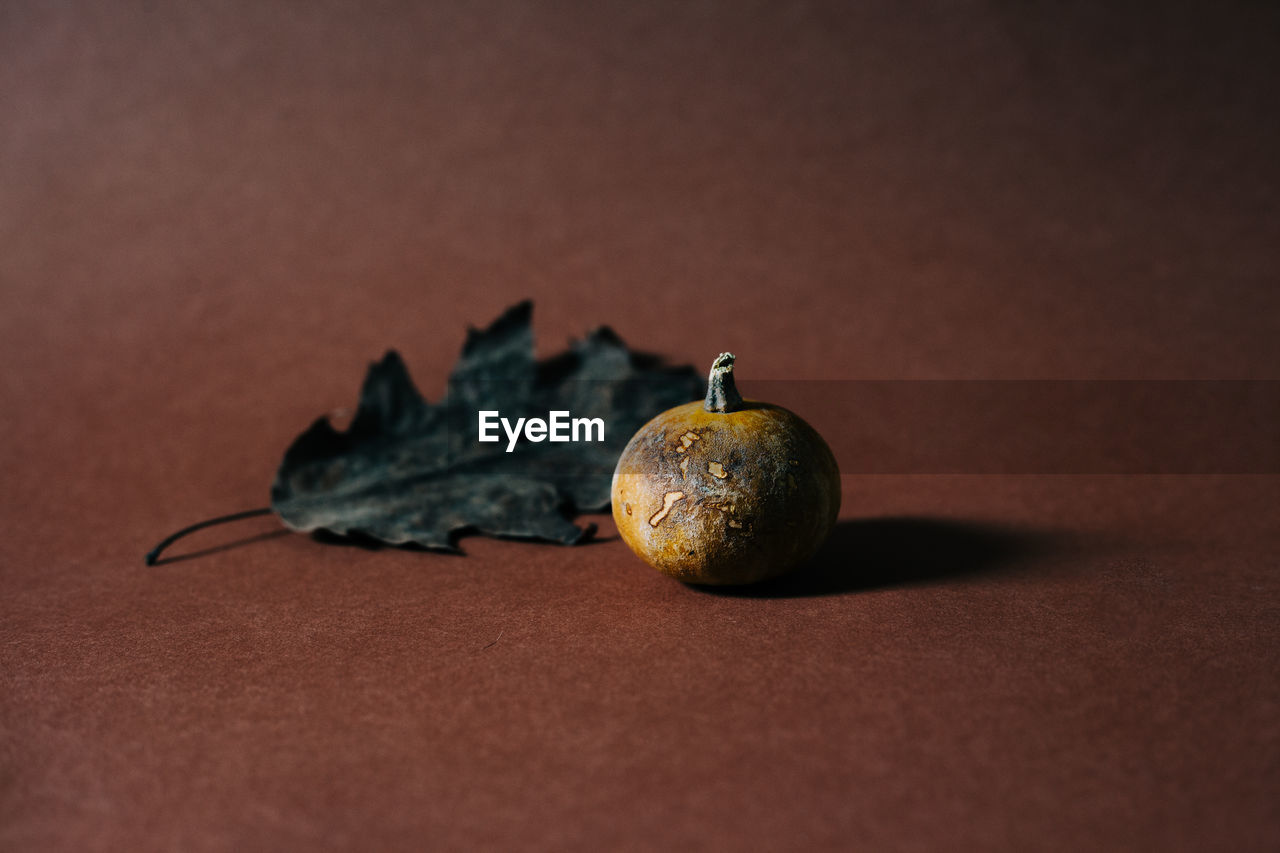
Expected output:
(214, 215)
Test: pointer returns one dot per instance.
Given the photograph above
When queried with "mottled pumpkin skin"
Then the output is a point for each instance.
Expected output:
(726, 498)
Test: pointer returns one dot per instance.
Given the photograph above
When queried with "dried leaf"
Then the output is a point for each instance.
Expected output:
(407, 471)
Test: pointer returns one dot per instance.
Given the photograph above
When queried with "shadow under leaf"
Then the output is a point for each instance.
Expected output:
(365, 542)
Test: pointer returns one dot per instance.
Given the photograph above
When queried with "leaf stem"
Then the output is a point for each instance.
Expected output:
(154, 554)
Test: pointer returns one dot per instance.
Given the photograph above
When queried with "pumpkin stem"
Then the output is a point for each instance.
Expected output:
(722, 392)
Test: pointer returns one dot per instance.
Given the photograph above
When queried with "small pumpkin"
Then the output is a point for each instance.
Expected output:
(725, 490)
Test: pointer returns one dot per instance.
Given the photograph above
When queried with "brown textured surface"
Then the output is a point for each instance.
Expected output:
(212, 216)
